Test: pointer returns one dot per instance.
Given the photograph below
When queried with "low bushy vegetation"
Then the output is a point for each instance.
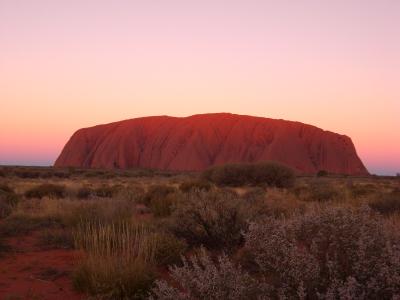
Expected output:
(322, 190)
(8, 200)
(387, 204)
(332, 253)
(213, 219)
(262, 173)
(195, 184)
(246, 233)
(362, 190)
(169, 249)
(161, 199)
(46, 190)
(202, 278)
(84, 192)
(106, 191)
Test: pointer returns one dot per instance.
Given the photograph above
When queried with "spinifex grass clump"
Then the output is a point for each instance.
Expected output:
(118, 261)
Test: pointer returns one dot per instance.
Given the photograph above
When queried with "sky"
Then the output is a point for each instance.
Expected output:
(70, 64)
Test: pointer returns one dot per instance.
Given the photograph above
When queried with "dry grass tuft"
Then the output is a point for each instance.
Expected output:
(118, 262)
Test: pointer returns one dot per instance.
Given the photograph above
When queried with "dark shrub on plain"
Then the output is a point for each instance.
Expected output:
(59, 174)
(322, 173)
(336, 253)
(323, 190)
(94, 173)
(27, 174)
(6, 189)
(229, 174)
(262, 173)
(160, 199)
(46, 190)
(157, 192)
(273, 174)
(195, 184)
(169, 249)
(362, 190)
(254, 195)
(214, 219)
(387, 203)
(163, 207)
(132, 192)
(84, 192)
(106, 191)
(8, 200)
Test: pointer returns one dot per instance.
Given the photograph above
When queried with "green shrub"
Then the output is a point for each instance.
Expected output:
(157, 192)
(169, 249)
(163, 207)
(262, 173)
(387, 204)
(46, 190)
(229, 174)
(214, 219)
(160, 199)
(195, 184)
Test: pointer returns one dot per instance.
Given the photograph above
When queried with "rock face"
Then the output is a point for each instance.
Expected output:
(200, 141)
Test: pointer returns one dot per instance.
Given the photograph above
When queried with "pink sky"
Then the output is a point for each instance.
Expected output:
(71, 64)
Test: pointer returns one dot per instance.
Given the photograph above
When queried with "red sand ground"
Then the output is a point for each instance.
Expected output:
(28, 272)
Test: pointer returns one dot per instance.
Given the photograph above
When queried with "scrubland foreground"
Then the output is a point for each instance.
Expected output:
(241, 231)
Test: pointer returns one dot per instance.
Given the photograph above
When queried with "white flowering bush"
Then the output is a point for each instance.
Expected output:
(202, 278)
(335, 253)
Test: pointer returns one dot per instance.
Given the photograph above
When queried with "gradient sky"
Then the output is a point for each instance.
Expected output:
(71, 64)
